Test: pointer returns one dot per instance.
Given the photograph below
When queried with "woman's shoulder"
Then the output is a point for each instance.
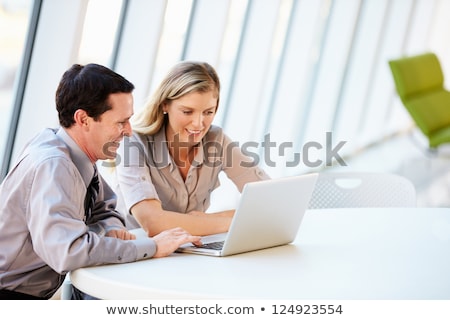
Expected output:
(215, 133)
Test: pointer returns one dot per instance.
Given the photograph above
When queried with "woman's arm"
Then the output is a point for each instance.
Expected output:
(226, 213)
(153, 219)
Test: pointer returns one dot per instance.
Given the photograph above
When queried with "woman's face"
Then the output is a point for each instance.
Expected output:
(190, 117)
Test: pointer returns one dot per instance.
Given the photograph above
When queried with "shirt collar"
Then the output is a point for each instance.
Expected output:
(199, 157)
(79, 158)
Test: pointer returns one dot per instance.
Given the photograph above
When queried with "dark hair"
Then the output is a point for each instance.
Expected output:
(88, 88)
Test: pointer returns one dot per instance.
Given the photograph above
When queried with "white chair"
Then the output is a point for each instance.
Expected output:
(362, 189)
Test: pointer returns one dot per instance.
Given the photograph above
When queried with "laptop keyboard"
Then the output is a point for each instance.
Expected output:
(213, 245)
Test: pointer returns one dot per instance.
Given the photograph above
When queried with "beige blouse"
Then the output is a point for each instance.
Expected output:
(145, 170)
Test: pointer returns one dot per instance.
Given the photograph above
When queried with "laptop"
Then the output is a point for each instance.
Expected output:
(269, 214)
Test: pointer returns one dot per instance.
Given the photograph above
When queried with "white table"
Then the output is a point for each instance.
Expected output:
(378, 253)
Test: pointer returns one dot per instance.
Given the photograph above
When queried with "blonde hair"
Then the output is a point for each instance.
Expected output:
(185, 77)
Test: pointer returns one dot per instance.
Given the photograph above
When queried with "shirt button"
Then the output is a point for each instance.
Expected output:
(119, 258)
(145, 255)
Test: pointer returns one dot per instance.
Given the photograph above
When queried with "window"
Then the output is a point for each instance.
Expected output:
(99, 32)
(14, 20)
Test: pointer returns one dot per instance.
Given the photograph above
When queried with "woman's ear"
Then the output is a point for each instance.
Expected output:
(164, 108)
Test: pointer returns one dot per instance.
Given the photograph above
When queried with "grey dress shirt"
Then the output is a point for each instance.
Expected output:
(43, 234)
(145, 170)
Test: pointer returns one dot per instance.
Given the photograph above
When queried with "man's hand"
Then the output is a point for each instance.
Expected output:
(120, 234)
(168, 241)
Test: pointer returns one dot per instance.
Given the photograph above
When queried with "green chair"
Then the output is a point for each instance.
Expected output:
(419, 82)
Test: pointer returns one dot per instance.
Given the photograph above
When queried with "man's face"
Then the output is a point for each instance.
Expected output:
(106, 133)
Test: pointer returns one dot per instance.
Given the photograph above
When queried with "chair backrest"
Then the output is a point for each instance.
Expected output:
(362, 189)
(419, 82)
(415, 75)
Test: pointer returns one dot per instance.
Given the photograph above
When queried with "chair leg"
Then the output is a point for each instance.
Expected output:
(432, 151)
(66, 289)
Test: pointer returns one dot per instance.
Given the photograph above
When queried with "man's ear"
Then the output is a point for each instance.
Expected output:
(81, 118)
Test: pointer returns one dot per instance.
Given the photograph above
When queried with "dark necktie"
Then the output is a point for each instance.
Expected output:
(91, 195)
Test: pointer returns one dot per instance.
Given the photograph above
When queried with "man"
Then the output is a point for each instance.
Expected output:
(56, 214)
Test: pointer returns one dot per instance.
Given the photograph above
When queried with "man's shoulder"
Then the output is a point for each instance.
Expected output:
(45, 155)
(46, 145)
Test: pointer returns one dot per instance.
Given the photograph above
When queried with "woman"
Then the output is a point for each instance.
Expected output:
(170, 165)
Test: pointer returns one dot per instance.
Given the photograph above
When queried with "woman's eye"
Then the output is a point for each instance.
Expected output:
(187, 112)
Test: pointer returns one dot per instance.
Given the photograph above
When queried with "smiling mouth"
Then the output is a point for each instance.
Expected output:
(194, 132)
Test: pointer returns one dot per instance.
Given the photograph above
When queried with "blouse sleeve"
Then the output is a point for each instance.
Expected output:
(240, 168)
(133, 174)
